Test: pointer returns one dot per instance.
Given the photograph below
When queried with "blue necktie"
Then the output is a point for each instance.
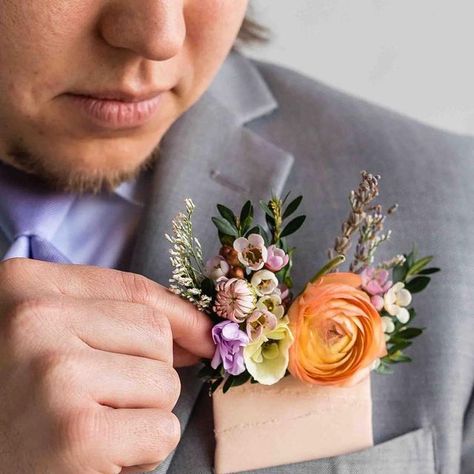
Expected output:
(33, 214)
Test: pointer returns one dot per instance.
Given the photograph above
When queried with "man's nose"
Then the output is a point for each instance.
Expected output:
(153, 29)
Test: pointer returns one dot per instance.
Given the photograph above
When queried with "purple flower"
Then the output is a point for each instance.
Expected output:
(230, 342)
(276, 258)
(375, 281)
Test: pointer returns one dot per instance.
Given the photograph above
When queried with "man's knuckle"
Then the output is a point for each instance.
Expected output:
(176, 386)
(168, 435)
(79, 429)
(52, 369)
(192, 320)
(138, 288)
(172, 384)
(12, 267)
(147, 467)
(173, 428)
(24, 318)
(165, 385)
(159, 325)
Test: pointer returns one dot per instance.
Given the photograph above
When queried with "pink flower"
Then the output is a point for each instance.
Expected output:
(283, 291)
(277, 258)
(375, 281)
(216, 267)
(260, 321)
(251, 252)
(235, 299)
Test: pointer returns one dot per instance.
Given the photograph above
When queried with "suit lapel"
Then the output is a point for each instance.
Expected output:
(210, 156)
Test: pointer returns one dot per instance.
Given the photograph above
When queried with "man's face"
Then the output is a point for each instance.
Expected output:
(79, 78)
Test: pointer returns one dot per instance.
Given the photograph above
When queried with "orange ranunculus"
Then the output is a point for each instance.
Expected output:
(338, 332)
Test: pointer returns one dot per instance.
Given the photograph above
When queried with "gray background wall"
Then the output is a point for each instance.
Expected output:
(414, 56)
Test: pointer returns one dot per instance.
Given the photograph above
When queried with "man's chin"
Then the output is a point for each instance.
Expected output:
(81, 177)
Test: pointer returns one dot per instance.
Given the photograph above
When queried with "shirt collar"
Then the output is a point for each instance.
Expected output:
(134, 190)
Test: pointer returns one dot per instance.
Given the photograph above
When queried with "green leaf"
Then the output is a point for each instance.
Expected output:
(410, 333)
(411, 256)
(244, 226)
(253, 230)
(227, 214)
(399, 272)
(288, 281)
(410, 259)
(292, 207)
(284, 246)
(293, 226)
(241, 379)
(228, 383)
(266, 209)
(270, 221)
(419, 265)
(399, 347)
(417, 284)
(264, 234)
(384, 368)
(285, 198)
(246, 212)
(226, 239)
(399, 357)
(207, 372)
(429, 271)
(394, 339)
(215, 385)
(224, 226)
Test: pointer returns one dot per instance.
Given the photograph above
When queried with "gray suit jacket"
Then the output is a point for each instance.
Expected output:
(262, 128)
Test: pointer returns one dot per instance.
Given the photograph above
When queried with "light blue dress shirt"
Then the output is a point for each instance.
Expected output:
(98, 229)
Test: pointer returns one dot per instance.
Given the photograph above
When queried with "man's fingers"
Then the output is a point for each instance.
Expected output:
(116, 326)
(182, 357)
(191, 328)
(139, 436)
(123, 381)
(139, 469)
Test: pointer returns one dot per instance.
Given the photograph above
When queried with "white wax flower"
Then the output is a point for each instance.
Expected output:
(395, 300)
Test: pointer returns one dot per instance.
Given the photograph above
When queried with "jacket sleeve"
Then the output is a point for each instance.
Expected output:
(467, 453)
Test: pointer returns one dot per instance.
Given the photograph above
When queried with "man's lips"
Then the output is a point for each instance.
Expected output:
(115, 109)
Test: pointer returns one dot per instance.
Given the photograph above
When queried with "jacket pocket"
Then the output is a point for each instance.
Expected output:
(410, 453)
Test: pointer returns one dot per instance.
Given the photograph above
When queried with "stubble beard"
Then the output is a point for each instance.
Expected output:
(75, 181)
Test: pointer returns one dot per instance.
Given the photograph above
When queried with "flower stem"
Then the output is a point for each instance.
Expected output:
(331, 265)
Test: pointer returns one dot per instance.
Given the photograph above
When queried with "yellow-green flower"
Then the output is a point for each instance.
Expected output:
(267, 357)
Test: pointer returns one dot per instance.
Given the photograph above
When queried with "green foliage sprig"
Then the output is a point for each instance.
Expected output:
(413, 273)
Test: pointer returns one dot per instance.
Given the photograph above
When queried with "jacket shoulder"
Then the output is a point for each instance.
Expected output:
(311, 113)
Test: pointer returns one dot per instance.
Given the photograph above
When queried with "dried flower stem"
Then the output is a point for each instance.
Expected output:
(186, 259)
(393, 262)
(359, 200)
(370, 237)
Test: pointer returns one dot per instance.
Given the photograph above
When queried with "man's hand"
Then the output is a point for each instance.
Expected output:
(87, 382)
